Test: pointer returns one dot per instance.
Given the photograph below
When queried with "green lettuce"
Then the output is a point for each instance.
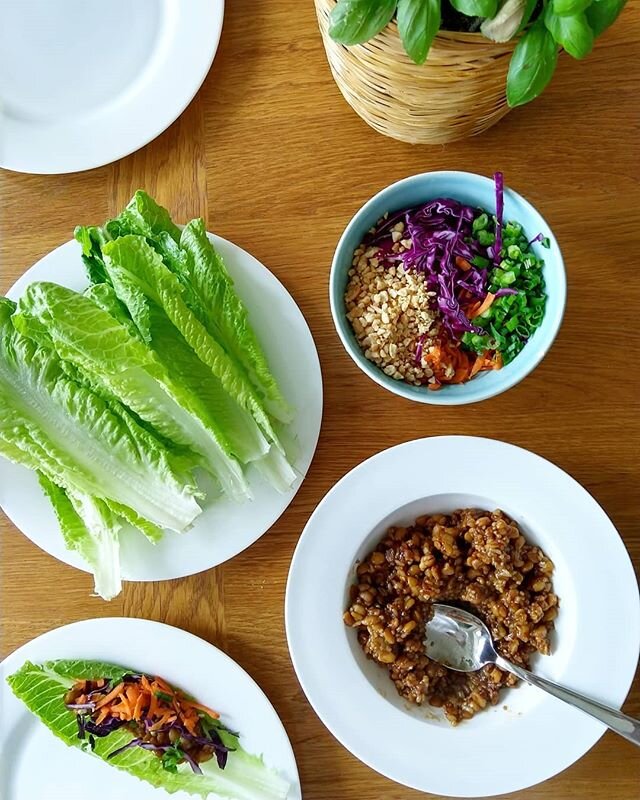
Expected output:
(189, 268)
(225, 316)
(95, 341)
(80, 441)
(187, 371)
(91, 528)
(42, 689)
(134, 268)
(208, 290)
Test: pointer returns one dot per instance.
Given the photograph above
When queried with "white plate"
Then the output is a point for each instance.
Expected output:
(224, 528)
(86, 82)
(36, 765)
(597, 636)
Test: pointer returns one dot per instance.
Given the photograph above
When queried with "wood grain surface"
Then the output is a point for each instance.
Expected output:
(274, 159)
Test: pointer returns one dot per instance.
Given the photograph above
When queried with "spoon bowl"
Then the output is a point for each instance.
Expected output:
(458, 640)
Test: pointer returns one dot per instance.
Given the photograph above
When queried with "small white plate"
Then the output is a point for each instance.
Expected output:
(35, 765)
(225, 528)
(529, 736)
(86, 82)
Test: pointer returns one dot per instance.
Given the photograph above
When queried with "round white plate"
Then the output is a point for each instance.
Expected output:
(225, 528)
(36, 765)
(529, 736)
(86, 82)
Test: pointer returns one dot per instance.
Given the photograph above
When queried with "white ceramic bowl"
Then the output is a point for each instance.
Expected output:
(529, 736)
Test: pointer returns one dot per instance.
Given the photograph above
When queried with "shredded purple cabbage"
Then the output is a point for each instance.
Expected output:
(441, 231)
(193, 764)
(133, 743)
(104, 728)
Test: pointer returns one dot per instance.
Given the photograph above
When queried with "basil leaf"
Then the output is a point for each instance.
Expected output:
(418, 23)
(532, 65)
(357, 21)
(573, 33)
(569, 7)
(476, 8)
(603, 13)
(528, 11)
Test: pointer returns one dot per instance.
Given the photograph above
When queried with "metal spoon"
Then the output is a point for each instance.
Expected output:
(462, 642)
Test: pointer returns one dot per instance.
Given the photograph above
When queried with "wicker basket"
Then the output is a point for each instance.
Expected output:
(459, 92)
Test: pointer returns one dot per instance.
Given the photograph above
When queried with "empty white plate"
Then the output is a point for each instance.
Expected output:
(225, 528)
(86, 82)
(35, 765)
(529, 736)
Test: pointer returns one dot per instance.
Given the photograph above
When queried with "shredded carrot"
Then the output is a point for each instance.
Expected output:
(486, 303)
(153, 705)
(165, 719)
(486, 361)
(479, 363)
(462, 263)
(111, 696)
(126, 708)
(213, 714)
(163, 686)
(137, 709)
(153, 698)
(445, 357)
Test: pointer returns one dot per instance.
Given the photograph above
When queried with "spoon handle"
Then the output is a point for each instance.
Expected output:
(615, 720)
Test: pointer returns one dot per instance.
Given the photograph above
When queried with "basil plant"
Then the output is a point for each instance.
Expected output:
(542, 27)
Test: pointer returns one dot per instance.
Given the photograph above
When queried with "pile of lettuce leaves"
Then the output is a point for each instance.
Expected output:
(119, 396)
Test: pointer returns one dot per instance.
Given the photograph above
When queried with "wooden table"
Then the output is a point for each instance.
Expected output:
(272, 157)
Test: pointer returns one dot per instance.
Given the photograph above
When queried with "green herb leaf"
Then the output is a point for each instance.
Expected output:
(532, 65)
(528, 11)
(573, 33)
(418, 23)
(167, 698)
(357, 21)
(566, 8)
(603, 13)
(172, 757)
(476, 8)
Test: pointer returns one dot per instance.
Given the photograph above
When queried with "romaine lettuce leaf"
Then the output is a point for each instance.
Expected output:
(81, 442)
(208, 290)
(91, 240)
(185, 369)
(120, 364)
(225, 316)
(131, 260)
(42, 690)
(145, 217)
(90, 527)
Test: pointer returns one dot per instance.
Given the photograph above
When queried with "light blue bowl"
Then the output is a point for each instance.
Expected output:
(475, 190)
